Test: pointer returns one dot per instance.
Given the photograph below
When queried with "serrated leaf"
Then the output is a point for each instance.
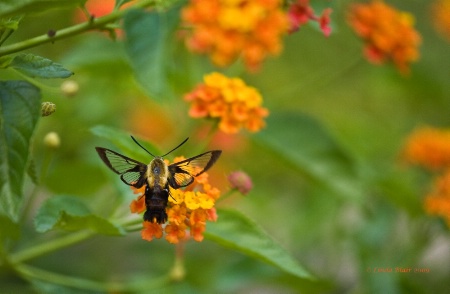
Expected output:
(20, 108)
(237, 232)
(147, 46)
(303, 143)
(14, 7)
(70, 213)
(37, 66)
(123, 140)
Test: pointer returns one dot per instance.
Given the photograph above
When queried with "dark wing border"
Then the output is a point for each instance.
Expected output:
(132, 172)
(181, 173)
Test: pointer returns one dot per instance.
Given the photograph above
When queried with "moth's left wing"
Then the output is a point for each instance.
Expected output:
(183, 173)
(132, 172)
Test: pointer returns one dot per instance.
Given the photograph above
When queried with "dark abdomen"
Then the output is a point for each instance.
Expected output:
(156, 201)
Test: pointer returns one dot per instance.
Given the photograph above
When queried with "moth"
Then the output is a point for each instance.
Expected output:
(157, 176)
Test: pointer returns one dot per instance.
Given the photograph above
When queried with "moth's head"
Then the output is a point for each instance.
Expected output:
(158, 166)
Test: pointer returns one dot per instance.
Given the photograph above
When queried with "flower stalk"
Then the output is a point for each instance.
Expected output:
(92, 24)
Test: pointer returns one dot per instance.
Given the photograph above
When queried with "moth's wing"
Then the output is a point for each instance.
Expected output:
(132, 172)
(182, 173)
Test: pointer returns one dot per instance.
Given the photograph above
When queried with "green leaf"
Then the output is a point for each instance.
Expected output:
(303, 143)
(37, 66)
(8, 229)
(5, 61)
(147, 46)
(10, 23)
(14, 7)
(20, 110)
(237, 232)
(119, 3)
(70, 213)
(32, 173)
(123, 140)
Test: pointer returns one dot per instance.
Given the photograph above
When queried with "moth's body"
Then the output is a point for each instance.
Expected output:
(157, 173)
(157, 176)
(157, 191)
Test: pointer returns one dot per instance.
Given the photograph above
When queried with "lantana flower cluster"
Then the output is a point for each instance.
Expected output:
(229, 100)
(438, 201)
(228, 29)
(430, 148)
(188, 209)
(388, 33)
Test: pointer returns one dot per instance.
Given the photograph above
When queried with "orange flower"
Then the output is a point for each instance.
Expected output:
(226, 29)
(387, 33)
(151, 230)
(138, 205)
(188, 208)
(175, 233)
(441, 17)
(429, 147)
(230, 100)
(438, 202)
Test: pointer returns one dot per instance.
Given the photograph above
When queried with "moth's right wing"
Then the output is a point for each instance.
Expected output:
(132, 172)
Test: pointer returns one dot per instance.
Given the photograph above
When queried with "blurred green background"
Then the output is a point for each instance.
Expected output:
(329, 183)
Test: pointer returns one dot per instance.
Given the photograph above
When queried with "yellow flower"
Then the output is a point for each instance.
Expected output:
(198, 200)
(227, 29)
(230, 100)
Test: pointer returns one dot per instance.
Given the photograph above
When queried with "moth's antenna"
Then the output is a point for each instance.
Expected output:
(135, 141)
(176, 147)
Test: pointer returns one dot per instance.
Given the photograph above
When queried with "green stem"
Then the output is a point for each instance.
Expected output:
(31, 272)
(178, 271)
(8, 34)
(49, 246)
(226, 195)
(74, 30)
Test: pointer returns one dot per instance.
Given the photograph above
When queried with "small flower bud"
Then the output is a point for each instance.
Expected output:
(47, 108)
(241, 181)
(52, 140)
(70, 88)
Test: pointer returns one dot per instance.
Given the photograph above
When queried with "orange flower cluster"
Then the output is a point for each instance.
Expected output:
(387, 32)
(230, 100)
(429, 147)
(186, 209)
(226, 29)
(441, 17)
(438, 202)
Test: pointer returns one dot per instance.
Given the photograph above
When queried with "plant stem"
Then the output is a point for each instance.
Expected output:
(92, 24)
(31, 272)
(49, 246)
(178, 272)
